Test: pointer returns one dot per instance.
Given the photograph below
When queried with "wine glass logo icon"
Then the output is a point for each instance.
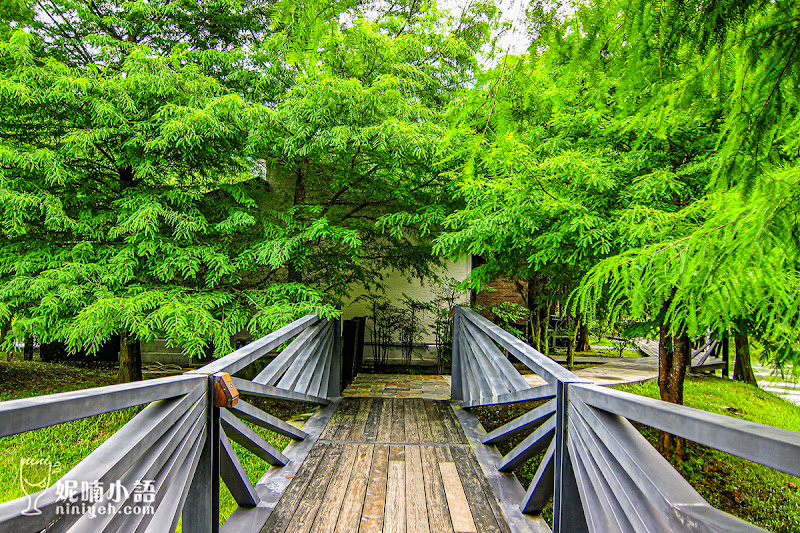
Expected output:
(35, 474)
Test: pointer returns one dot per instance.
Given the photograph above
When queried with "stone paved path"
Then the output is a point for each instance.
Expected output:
(617, 370)
(784, 386)
(399, 386)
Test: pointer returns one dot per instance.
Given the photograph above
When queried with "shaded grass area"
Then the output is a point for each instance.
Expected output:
(67, 444)
(757, 494)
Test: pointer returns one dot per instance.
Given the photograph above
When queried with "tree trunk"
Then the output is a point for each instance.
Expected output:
(545, 318)
(130, 359)
(294, 273)
(571, 345)
(27, 350)
(742, 369)
(675, 355)
(535, 326)
(3, 332)
(52, 351)
(582, 345)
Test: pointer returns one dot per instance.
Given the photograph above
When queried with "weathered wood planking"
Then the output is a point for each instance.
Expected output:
(328, 512)
(375, 499)
(460, 513)
(421, 417)
(360, 420)
(416, 508)
(482, 513)
(303, 517)
(398, 421)
(412, 432)
(390, 465)
(373, 420)
(438, 514)
(396, 498)
(385, 422)
(281, 517)
(350, 513)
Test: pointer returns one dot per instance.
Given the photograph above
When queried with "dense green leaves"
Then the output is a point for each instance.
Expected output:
(186, 171)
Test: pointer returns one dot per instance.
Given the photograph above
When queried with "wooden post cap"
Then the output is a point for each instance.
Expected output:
(225, 392)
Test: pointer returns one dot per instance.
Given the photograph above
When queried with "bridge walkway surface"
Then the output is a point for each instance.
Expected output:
(406, 464)
(385, 464)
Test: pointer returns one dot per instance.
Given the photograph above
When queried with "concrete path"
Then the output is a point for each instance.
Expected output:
(619, 370)
(786, 386)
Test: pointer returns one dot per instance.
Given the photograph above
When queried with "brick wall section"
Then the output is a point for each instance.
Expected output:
(505, 290)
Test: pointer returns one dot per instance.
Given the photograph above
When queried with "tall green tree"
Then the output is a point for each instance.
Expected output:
(187, 171)
(736, 263)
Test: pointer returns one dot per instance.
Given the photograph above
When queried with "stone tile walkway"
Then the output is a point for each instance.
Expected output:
(399, 386)
(619, 370)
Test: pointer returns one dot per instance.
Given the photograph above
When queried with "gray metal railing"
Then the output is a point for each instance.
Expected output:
(602, 473)
(180, 443)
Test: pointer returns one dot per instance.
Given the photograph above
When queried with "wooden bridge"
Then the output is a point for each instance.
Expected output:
(385, 463)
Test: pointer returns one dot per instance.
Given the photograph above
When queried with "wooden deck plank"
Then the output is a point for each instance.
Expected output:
(416, 507)
(398, 421)
(390, 464)
(482, 513)
(397, 452)
(328, 512)
(350, 514)
(455, 433)
(421, 417)
(375, 499)
(412, 433)
(373, 420)
(339, 417)
(471, 460)
(395, 521)
(445, 423)
(385, 421)
(359, 420)
(349, 409)
(460, 514)
(438, 515)
(439, 433)
(282, 514)
(306, 510)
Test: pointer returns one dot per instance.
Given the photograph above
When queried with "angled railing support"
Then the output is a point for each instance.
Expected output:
(202, 500)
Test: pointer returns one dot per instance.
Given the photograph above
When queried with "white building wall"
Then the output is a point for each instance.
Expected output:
(398, 285)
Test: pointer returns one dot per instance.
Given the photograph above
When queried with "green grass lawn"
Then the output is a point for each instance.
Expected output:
(69, 443)
(758, 494)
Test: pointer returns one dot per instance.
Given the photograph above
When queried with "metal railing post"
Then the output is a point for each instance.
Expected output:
(335, 380)
(568, 515)
(456, 393)
(201, 509)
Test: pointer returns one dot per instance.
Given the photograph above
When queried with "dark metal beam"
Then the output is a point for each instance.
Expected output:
(242, 385)
(766, 445)
(234, 476)
(533, 393)
(530, 420)
(255, 350)
(256, 416)
(26, 414)
(239, 432)
(541, 487)
(545, 367)
(533, 444)
(106, 463)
